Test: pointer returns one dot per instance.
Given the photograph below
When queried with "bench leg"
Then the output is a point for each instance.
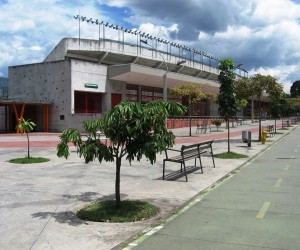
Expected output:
(200, 164)
(185, 171)
(212, 155)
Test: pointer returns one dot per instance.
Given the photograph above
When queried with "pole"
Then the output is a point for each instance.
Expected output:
(165, 87)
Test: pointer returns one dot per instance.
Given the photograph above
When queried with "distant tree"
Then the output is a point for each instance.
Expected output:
(226, 98)
(295, 89)
(278, 106)
(260, 85)
(193, 93)
(133, 129)
(294, 105)
(26, 126)
(242, 90)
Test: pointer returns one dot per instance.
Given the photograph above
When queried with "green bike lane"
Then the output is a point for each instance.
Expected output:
(255, 208)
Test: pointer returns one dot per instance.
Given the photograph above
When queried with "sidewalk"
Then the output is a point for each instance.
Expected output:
(40, 200)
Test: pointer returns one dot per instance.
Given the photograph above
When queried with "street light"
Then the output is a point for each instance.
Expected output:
(165, 84)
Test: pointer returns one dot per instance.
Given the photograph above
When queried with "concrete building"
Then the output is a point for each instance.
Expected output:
(81, 79)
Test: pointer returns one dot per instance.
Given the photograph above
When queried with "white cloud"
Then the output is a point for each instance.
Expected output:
(4, 58)
(272, 11)
(237, 32)
(115, 3)
(36, 48)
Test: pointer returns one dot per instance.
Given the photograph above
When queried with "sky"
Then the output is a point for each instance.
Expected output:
(263, 35)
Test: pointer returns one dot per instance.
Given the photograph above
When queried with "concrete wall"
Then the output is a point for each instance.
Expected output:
(43, 83)
(55, 83)
(87, 73)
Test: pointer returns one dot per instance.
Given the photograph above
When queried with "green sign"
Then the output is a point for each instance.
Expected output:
(91, 85)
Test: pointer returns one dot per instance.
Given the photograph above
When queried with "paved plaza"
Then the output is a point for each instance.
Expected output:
(39, 201)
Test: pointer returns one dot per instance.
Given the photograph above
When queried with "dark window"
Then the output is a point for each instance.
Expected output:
(131, 93)
(150, 94)
(87, 102)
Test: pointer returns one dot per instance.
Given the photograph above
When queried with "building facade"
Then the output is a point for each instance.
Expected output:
(81, 79)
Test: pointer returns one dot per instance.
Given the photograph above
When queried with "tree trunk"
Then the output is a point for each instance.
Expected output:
(117, 184)
(28, 155)
(252, 109)
(228, 136)
(259, 120)
(275, 126)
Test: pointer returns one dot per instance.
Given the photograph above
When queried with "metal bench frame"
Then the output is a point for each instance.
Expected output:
(188, 152)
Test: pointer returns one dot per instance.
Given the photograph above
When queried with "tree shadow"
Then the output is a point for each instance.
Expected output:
(84, 197)
(69, 217)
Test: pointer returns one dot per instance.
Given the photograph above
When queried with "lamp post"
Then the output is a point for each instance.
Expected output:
(165, 83)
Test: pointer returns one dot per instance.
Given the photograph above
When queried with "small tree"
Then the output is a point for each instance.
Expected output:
(261, 84)
(217, 123)
(194, 93)
(277, 108)
(26, 126)
(226, 98)
(133, 129)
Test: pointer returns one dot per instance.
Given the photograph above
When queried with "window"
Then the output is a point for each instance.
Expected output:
(131, 93)
(87, 102)
(151, 94)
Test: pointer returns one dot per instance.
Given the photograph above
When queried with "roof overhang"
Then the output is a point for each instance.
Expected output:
(147, 76)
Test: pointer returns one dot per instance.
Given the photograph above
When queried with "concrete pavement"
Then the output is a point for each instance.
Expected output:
(39, 201)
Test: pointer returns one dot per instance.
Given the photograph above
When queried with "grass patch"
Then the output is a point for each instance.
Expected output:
(106, 211)
(217, 131)
(279, 133)
(283, 129)
(231, 155)
(29, 160)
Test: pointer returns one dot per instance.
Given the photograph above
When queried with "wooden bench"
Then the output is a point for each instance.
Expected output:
(188, 152)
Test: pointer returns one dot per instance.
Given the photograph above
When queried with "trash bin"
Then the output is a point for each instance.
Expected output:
(246, 137)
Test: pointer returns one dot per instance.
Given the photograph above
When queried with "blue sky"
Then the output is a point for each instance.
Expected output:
(263, 35)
